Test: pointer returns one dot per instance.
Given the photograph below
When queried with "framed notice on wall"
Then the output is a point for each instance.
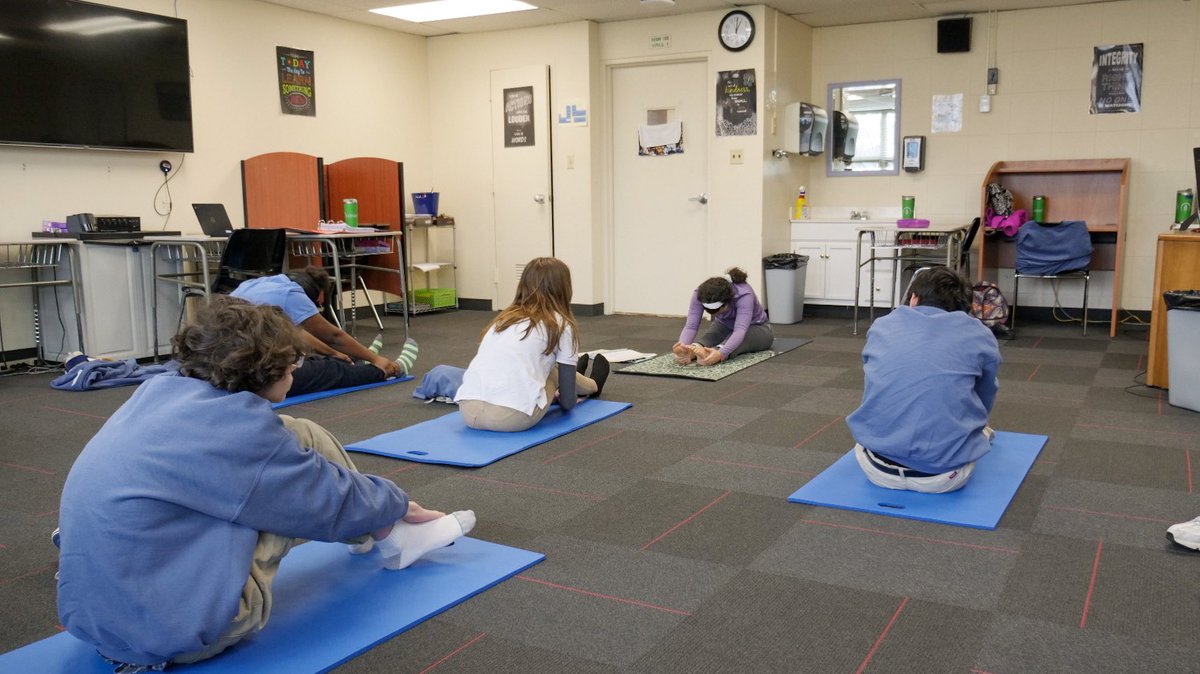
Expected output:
(297, 86)
(1117, 78)
(518, 117)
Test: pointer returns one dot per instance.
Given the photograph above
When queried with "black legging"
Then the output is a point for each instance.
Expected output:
(758, 338)
(319, 373)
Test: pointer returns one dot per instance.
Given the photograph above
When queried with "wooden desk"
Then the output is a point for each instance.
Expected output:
(1176, 267)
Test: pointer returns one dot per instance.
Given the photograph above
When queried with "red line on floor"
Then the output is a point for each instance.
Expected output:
(1087, 603)
(750, 465)
(43, 471)
(1159, 403)
(1139, 363)
(695, 421)
(1035, 371)
(598, 595)
(454, 652)
(3, 546)
(1188, 458)
(1106, 514)
(739, 391)
(35, 572)
(1035, 344)
(976, 670)
(46, 513)
(688, 519)
(590, 497)
(402, 469)
(819, 431)
(1137, 430)
(875, 647)
(75, 412)
(584, 446)
(1046, 461)
(940, 541)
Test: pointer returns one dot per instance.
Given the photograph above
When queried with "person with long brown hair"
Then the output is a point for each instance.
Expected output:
(528, 356)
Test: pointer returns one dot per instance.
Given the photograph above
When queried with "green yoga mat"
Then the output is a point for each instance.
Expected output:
(665, 366)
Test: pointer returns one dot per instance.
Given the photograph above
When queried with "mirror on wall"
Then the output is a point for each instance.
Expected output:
(864, 128)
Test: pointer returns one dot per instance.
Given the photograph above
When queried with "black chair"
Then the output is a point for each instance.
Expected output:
(250, 253)
(964, 259)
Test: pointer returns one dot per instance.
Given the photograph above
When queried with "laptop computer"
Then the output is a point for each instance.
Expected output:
(213, 220)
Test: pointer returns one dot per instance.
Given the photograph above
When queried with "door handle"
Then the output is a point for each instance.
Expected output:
(539, 198)
(703, 198)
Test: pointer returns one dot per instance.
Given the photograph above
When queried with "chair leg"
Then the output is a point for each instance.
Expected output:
(367, 292)
(1012, 308)
(1086, 278)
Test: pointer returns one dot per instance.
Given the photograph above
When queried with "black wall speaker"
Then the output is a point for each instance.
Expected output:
(954, 35)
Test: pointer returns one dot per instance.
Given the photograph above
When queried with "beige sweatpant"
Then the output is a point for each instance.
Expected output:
(486, 416)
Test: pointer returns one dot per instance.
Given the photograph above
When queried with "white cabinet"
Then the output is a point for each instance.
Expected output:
(831, 248)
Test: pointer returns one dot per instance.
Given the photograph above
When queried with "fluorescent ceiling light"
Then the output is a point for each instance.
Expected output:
(102, 25)
(440, 10)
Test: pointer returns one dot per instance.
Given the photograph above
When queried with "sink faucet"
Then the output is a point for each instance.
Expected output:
(859, 215)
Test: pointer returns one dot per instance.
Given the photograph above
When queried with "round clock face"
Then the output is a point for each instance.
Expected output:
(736, 30)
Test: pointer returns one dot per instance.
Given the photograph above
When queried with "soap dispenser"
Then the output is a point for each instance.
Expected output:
(801, 204)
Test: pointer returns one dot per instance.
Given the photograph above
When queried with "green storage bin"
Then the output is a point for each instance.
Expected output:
(436, 298)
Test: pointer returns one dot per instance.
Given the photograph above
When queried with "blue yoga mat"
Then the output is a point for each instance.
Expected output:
(980, 504)
(447, 440)
(309, 397)
(329, 607)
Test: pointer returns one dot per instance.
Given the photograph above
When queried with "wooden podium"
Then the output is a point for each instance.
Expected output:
(1176, 267)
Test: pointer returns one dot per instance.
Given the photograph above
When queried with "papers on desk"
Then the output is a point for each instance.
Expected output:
(621, 355)
(342, 227)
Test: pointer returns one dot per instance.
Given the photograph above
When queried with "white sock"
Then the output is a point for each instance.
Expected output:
(362, 548)
(408, 542)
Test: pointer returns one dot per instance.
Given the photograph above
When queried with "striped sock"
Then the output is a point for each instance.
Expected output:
(377, 344)
(408, 356)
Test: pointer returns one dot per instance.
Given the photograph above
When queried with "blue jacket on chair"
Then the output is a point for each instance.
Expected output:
(1049, 249)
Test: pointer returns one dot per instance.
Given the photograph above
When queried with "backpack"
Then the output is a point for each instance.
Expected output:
(988, 304)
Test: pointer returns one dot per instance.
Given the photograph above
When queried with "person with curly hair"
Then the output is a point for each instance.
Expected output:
(739, 322)
(176, 515)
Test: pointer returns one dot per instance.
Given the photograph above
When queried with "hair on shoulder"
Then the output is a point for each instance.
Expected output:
(237, 346)
(941, 287)
(543, 298)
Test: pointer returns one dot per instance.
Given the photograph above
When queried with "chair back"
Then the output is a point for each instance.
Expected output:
(251, 253)
(964, 258)
(1053, 248)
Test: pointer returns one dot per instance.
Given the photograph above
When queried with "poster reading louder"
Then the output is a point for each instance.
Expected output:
(1117, 78)
(518, 117)
(297, 88)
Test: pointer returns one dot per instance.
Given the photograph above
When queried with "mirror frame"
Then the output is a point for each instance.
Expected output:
(895, 170)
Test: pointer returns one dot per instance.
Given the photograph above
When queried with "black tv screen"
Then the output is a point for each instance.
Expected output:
(87, 75)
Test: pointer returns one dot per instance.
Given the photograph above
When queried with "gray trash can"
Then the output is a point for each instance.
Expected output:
(785, 274)
(1183, 329)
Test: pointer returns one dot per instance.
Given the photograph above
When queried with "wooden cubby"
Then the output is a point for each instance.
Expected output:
(1093, 190)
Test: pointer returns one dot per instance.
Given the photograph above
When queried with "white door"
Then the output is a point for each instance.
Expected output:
(522, 198)
(660, 220)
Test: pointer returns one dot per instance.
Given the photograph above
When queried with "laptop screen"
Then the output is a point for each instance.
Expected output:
(213, 219)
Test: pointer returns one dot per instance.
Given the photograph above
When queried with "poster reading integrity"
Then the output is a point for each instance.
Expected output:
(518, 117)
(1117, 78)
(297, 88)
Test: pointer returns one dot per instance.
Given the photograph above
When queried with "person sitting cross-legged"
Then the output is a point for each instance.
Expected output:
(930, 383)
(176, 515)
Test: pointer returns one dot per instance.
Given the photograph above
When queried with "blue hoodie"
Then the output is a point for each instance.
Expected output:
(162, 510)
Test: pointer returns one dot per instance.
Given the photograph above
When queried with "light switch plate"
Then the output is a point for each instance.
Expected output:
(985, 103)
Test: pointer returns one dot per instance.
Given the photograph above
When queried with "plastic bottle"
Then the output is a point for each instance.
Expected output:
(801, 203)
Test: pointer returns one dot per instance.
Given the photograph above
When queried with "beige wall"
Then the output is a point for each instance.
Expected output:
(788, 64)
(1041, 111)
(372, 92)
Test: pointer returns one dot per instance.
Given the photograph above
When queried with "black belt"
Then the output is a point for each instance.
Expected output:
(892, 468)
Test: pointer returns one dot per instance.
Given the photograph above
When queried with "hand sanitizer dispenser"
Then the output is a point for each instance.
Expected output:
(804, 128)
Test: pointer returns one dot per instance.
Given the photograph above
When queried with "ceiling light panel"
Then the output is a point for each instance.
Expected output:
(441, 10)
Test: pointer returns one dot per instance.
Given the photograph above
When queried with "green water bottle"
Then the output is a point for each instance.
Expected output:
(350, 211)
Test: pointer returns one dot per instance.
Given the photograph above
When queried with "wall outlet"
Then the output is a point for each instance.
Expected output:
(737, 157)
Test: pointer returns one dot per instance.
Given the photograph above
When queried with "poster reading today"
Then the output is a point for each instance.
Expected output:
(1117, 78)
(297, 89)
(518, 117)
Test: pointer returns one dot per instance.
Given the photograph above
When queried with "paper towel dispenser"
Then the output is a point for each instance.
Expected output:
(845, 136)
(804, 128)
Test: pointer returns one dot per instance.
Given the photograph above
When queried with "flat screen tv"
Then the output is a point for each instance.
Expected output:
(80, 74)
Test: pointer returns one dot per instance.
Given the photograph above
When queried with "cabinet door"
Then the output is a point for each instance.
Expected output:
(840, 268)
(814, 279)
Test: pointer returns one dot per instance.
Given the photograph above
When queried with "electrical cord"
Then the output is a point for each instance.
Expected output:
(168, 176)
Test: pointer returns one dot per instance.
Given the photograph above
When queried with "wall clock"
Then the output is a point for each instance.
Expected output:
(736, 30)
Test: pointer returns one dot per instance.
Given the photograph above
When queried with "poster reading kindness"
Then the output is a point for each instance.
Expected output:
(297, 89)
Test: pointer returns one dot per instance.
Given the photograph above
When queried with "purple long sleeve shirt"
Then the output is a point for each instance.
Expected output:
(744, 311)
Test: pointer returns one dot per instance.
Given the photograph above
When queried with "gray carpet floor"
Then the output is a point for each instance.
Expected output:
(670, 545)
